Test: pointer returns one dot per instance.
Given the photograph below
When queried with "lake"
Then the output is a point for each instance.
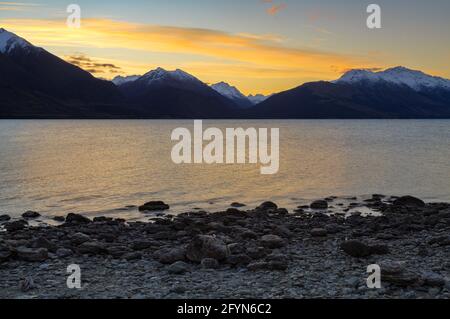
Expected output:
(103, 167)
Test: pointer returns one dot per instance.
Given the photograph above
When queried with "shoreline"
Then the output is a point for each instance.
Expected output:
(265, 252)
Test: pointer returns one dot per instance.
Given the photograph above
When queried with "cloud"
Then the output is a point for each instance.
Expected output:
(17, 6)
(95, 67)
(273, 10)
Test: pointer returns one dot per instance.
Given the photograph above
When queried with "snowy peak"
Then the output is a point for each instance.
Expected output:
(413, 79)
(10, 41)
(119, 80)
(257, 98)
(228, 91)
(161, 74)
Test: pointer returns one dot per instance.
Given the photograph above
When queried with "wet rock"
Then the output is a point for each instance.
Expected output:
(178, 268)
(154, 206)
(15, 226)
(319, 204)
(91, 248)
(31, 214)
(170, 255)
(433, 279)
(409, 201)
(79, 238)
(272, 241)
(77, 219)
(267, 206)
(319, 232)
(209, 263)
(356, 249)
(32, 255)
(60, 219)
(142, 244)
(42, 242)
(206, 247)
(237, 205)
(5, 218)
(64, 252)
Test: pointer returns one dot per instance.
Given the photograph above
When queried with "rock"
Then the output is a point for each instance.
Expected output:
(60, 219)
(5, 253)
(117, 251)
(409, 201)
(178, 268)
(356, 249)
(77, 219)
(379, 249)
(32, 255)
(209, 263)
(142, 244)
(91, 248)
(64, 252)
(170, 255)
(42, 242)
(27, 284)
(433, 279)
(15, 226)
(272, 241)
(5, 218)
(267, 206)
(271, 265)
(79, 238)
(441, 241)
(31, 214)
(206, 247)
(319, 232)
(403, 279)
(237, 205)
(154, 206)
(319, 204)
(102, 219)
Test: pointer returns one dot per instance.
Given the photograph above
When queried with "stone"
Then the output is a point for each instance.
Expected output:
(241, 259)
(154, 206)
(178, 268)
(64, 252)
(15, 226)
(5, 218)
(267, 206)
(42, 242)
(31, 214)
(271, 265)
(237, 205)
(319, 232)
(142, 244)
(204, 246)
(433, 279)
(91, 248)
(5, 253)
(77, 219)
(379, 249)
(31, 254)
(209, 263)
(79, 238)
(319, 204)
(132, 256)
(356, 249)
(272, 241)
(170, 255)
(60, 219)
(409, 201)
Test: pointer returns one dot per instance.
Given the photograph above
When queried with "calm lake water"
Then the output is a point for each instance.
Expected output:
(100, 167)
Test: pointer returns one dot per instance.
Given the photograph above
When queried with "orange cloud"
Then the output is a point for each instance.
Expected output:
(249, 56)
(273, 10)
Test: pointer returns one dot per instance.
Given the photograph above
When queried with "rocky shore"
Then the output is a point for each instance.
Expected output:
(318, 251)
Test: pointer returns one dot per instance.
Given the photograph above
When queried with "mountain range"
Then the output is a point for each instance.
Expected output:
(37, 84)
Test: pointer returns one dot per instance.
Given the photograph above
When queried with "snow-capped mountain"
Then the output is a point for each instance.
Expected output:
(258, 98)
(119, 80)
(413, 79)
(10, 41)
(232, 93)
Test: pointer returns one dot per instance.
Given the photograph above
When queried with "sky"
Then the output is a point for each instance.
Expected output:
(259, 46)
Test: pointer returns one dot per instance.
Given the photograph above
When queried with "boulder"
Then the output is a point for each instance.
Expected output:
(170, 255)
(267, 206)
(319, 204)
(206, 247)
(60, 219)
(31, 214)
(16, 225)
(77, 219)
(409, 201)
(154, 206)
(79, 238)
(272, 241)
(5, 218)
(237, 205)
(32, 254)
(356, 249)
